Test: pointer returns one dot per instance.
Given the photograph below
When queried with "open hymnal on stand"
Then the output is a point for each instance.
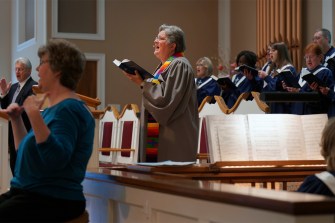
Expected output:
(256, 137)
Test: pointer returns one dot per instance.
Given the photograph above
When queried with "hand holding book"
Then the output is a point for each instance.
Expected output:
(253, 71)
(289, 79)
(129, 67)
(311, 78)
(226, 83)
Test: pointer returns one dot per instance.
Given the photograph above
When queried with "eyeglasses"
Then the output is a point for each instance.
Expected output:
(310, 57)
(159, 38)
(20, 69)
(316, 38)
(43, 61)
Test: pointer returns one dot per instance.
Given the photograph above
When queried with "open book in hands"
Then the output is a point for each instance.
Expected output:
(253, 71)
(226, 83)
(310, 78)
(289, 79)
(130, 66)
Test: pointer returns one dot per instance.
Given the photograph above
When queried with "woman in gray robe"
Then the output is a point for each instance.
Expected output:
(170, 97)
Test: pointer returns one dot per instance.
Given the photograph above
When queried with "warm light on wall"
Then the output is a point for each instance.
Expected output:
(279, 21)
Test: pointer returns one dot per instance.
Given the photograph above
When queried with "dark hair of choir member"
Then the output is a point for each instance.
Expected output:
(283, 57)
(250, 58)
(326, 34)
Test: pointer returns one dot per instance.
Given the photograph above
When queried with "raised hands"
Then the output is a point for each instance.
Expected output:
(13, 111)
(33, 103)
(4, 86)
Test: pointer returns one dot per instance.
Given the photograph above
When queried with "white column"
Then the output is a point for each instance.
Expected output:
(327, 16)
(224, 30)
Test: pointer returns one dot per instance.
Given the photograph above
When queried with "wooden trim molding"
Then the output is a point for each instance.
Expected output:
(4, 116)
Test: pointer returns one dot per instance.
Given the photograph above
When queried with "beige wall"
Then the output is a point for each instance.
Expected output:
(131, 26)
(312, 19)
(5, 39)
(243, 26)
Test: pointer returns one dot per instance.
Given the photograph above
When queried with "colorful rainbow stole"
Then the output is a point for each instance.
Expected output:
(165, 65)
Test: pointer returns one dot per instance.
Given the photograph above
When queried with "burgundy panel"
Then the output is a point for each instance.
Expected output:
(203, 138)
(107, 136)
(127, 136)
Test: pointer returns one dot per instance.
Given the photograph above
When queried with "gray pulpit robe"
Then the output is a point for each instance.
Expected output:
(173, 104)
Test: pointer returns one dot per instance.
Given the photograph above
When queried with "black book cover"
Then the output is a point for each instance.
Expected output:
(226, 81)
(253, 71)
(289, 79)
(130, 66)
(310, 78)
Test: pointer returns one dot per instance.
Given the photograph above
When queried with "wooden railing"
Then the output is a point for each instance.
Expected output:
(280, 175)
(4, 115)
(93, 103)
(171, 198)
(226, 110)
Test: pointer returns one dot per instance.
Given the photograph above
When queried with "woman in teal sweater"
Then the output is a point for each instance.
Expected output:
(53, 156)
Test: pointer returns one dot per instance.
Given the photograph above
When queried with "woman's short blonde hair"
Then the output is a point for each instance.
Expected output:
(206, 62)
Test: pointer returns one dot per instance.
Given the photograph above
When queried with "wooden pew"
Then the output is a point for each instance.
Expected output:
(280, 175)
(155, 197)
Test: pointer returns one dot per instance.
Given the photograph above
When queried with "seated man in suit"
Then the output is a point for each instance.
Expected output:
(17, 93)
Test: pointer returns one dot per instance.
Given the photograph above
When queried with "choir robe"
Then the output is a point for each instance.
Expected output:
(329, 60)
(173, 104)
(322, 106)
(314, 185)
(243, 85)
(207, 86)
(272, 84)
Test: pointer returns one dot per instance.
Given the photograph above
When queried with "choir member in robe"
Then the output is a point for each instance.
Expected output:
(205, 80)
(314, 57)
(323, 183)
